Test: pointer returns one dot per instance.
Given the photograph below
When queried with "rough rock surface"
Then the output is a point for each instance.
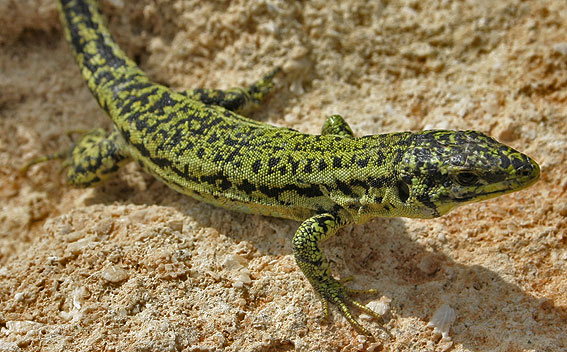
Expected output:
(133, 266)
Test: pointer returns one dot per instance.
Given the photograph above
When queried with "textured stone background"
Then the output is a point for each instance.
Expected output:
(133, 266)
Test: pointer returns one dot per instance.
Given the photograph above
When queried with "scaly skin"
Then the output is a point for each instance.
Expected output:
(195, 143)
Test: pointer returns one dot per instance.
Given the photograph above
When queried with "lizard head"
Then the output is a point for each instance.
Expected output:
(441, 170)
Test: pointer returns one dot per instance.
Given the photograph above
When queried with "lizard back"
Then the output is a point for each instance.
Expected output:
(214, 154)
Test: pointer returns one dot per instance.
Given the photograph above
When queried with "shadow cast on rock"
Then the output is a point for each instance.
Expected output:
(491, 312)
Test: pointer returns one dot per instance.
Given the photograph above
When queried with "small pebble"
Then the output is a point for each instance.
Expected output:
(114, 274)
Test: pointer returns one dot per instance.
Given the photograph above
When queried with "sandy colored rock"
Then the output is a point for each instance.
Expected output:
(131, 265)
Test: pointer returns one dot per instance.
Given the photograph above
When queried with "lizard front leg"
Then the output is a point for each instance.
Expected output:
(315, 266)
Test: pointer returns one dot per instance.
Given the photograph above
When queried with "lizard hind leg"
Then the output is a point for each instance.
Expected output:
(235, 99)
(95, 157)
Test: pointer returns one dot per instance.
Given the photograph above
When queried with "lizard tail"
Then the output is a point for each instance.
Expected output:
(104, 66)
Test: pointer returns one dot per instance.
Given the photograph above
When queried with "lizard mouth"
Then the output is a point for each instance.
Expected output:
(523, 173)
(497, 189)
(478, 196)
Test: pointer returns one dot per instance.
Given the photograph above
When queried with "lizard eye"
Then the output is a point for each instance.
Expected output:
(466, 178)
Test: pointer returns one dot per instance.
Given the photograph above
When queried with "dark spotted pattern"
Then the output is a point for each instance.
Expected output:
(195, 143)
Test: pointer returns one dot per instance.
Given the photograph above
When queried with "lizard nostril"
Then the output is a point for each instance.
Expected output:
(525, 170)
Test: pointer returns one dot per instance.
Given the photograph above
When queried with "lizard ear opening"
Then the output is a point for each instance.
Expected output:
(403, 191)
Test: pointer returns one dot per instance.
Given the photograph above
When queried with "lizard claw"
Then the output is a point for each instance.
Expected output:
(341, 297)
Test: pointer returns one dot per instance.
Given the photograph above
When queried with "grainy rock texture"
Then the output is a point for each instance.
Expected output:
(132, 266)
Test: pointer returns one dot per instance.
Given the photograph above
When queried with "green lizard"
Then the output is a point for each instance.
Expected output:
(197, 144)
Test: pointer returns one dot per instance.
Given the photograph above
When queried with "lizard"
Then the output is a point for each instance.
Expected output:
(197, 143)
